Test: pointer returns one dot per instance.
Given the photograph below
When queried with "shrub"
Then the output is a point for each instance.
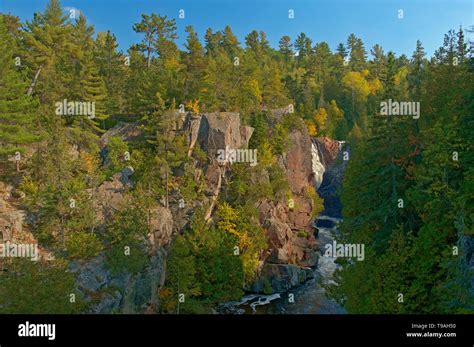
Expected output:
(83, 245)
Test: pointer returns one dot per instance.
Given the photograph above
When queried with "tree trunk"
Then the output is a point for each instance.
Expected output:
(33, 84)
(148, 63)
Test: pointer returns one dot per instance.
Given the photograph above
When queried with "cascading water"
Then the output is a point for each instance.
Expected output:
(310, 297)
(318, 166)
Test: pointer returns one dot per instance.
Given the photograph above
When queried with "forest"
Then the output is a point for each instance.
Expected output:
(407, 193)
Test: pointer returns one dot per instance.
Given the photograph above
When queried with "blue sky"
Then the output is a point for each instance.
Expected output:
(375, 21)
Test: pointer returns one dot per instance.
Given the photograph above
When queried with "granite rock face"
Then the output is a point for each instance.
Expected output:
(128, 132)
(293, 249)
(124, 292)
(216, 130)
(14, 221)
(109, 197)
(292, 246)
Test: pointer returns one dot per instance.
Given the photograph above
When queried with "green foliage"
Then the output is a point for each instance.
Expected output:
(318, 206)
(116, 152)
(83, 245)
(202, 266)
(126, 256)
(18, 124)
(260, 133)
(408, 250)
(267, 287)
(126, 236)
(411, 249)
(29, 287)
(188, 186)
(279, 139)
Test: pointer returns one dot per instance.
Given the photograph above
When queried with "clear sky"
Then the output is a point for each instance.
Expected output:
(375, 21)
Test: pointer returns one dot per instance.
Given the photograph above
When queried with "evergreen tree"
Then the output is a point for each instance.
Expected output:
(157, 30)
(18, 122)
(341, 50)
(195, 65)
(112, 69)
(357, 53)
(417, 69)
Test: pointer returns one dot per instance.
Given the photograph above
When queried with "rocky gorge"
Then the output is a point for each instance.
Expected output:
(292, 264)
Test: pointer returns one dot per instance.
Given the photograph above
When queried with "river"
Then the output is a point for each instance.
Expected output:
(310, 297)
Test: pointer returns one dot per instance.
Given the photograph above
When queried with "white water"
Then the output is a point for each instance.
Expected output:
(310, 298)
(318, 167)
(326, 265)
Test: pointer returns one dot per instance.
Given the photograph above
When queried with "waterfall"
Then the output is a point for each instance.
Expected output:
(310, 297)
(318, 166)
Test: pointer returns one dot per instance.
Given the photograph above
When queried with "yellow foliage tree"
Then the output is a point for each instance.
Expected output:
(193, 105)
(374, 86)
(320, 119)
(249, 243)
(357, 83)
(265, 155)
(227, 222)
(89, 163)
(253, 90)
(312, 129)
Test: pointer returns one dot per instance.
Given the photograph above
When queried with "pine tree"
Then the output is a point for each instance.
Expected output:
(417, 69)
(94, 91)
(341, 50)
(48, 37)
(112, 68)
(18, 121)
(357, 53)
(378, 64)
(157, 30)
(303, 47)
(285, 46)
(461, 46)
(230, 43)
(195, 65)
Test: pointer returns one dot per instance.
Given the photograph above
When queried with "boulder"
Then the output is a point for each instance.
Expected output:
(126, 174)
(285, 244)
(276, 115)
(218, 130)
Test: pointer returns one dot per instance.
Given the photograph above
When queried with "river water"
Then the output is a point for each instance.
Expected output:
(310, 297)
